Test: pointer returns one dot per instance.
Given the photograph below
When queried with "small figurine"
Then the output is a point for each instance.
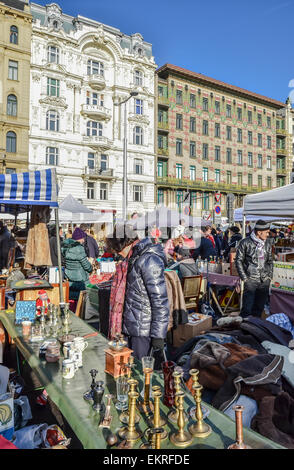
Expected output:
(89, 395)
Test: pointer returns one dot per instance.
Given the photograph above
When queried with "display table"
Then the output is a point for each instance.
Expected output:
(282, 301)
(68, 395)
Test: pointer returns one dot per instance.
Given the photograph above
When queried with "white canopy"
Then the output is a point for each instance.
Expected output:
(72, 211)
(238, 216)
(277, 202)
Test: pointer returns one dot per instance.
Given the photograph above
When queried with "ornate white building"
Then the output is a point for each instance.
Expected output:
(79, 69)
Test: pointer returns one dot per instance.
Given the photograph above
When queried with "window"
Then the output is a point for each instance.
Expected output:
(13, 34)
(205, 201)
(91, 161)
(192, 100)
(179, 171)
(103, 191)
(217, 153)
(94, 128)
(160, 196)
(138, 166)
(138, 135)
(268, 122)
(229, 110)
(138, 78)
(229, 155)
(240, 179)
(193, 199)
(259, 140)
(269, 142)
(90, 190)
(249, 180)
(9, 171)
(259, 119)
(250, 159)
(95, 68)
(52, 121)
(192, 124)
(160, 142)
(217, 176)
(160, 91)
(52, 156)
(217, 107)
(205, 104)
(268, 162)
(137, 193)
(104, 162)
(239, 114)
(217, 130)
(13, 70)
(239, 157)
(259, 161)
(53, 54)
(205, 174)
(192, 173)
(229, 177)
(269, 182)
(179, 121)
(138, 106)
(179, 97)
(205, 151)
(192, 148)
(259, 181)
(160, 169)
(229, 133)
(94, 99)
(239, 135)
(11, 105)
(249, 137)
(179, 144)
(52, 87)
(250, 116)
(11, 142)
(179, 196)
(205, 127)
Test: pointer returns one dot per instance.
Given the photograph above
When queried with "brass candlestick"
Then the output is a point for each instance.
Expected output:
(239, 444)
(124, 417)
(194, 374)
(181, 438)
(174, 414)
(157, 420)
(200, 428)
(146, 406)
(158, 434)
(130, 432)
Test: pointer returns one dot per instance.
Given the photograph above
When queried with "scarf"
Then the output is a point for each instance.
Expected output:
(117, 295)
(259, 248)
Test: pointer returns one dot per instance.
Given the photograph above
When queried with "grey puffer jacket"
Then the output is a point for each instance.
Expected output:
(146, 309)
(247, 261)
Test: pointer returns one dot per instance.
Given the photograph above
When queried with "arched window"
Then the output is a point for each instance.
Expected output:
(95, 68)
(94, 128)
(13, 34)
(11, 142)
(138, 135)
(11, 105)
(55, 24)
(52, 121)
(138, 77)
(53, 54)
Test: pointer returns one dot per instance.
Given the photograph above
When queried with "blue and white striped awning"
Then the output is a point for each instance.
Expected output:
(21, 190)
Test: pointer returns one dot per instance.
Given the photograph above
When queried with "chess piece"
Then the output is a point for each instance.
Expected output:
(200, 428)
(181, 438)
(239, 444)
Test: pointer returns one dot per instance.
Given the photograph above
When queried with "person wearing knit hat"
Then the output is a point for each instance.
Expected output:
(254, 263)
(79, 235)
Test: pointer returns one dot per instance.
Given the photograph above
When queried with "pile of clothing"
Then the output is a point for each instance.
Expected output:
(249, 363)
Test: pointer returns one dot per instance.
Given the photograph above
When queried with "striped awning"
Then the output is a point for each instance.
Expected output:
(21, 190)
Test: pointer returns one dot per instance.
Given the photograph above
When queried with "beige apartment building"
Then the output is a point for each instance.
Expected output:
(15, 56)
(215, 139)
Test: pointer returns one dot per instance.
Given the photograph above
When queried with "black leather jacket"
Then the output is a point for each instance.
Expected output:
(247, 261)
(146, 309)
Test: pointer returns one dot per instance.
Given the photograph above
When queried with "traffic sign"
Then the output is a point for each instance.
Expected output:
(186, 210)
(217, 210)
(206, 215)
(217, 197)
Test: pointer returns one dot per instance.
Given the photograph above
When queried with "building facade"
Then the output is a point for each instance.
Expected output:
(285, 143)
(213, 139)
(81, 70)
(15, 56)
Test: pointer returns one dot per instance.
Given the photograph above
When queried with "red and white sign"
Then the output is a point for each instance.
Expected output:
(217, 197)
(206, 215)
(217, 210)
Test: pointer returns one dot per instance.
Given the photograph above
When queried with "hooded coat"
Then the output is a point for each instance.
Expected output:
(77, 267)
(146, 308)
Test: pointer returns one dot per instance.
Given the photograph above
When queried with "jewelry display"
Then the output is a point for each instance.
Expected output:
(130, 432)
(181, 438)
(200, 428)
(239, 444)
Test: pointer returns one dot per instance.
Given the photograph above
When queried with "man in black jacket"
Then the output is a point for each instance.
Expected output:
(254, 263)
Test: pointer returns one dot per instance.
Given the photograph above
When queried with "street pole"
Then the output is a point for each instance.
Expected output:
(125, 168)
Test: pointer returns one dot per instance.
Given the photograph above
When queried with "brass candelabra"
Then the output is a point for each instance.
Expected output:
(200, 428)
(124, 417)
(130, 433)
(239, 444)
(181, 438)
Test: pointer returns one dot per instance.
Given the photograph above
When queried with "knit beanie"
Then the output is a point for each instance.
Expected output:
(261, 225)
(78, 234)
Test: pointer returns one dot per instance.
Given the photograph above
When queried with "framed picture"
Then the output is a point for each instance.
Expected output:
(25, 310)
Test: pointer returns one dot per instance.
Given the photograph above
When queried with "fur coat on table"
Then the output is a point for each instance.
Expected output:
(38, 248)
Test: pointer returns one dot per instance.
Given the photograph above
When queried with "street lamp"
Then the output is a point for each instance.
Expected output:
(125, 175)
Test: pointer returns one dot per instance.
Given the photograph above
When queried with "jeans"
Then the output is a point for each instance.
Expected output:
(254, 298)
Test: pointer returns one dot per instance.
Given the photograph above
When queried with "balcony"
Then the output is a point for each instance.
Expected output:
(163, 126)
(97, 173)
(206, 185)
(281, 151)
(163, 152)
(96, 81)
(163, 100)
(96, 112)
(97, 142)
(282, 132)
(282, 171)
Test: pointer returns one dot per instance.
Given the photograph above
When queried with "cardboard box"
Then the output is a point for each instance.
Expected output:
(184, 332)
(226, 269)
(283, 276)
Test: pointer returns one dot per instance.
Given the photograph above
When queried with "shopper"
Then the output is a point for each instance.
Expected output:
(207, 233)
(6, 242)
(254, 263)
(233, 241)
(205, 249)
(90, 244)
(171, 247)
(179, 230)
(53, 244)
(138, 300)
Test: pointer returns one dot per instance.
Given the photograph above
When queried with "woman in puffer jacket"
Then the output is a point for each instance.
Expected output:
(145, 310)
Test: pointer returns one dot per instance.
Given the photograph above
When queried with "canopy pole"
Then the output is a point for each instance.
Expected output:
(59, 257)
(242, 282)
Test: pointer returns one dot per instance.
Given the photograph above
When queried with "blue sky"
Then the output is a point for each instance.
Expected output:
(245, 43)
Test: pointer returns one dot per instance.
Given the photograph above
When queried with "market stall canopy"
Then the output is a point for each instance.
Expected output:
(72, 211)
(20, 191)
(70, 204)
(277, 202)
(238, 216)
(164, 217)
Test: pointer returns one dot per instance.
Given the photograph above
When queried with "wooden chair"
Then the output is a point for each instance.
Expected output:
(80, 310)
(192, 290)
